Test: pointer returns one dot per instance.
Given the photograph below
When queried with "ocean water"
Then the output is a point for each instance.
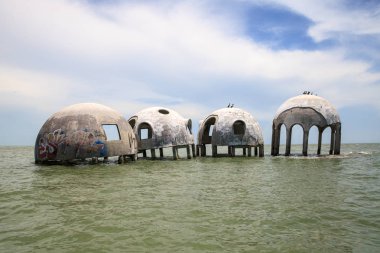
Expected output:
(270, 204)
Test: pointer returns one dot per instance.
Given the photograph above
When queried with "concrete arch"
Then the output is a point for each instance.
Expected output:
(307, 111)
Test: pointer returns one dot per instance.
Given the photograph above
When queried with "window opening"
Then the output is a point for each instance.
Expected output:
(189, 126)
(112, 132)
(239, 127)
(145, 131)
(132, 122)
(210, 130)
(163, 111)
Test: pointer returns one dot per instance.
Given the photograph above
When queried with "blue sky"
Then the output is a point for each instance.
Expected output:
(190, 56)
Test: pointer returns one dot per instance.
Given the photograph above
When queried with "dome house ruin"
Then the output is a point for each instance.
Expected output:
(306, 110)
(159, 128)
(231, 127)
(86, 130)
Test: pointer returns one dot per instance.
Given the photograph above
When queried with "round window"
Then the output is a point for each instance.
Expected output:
(163, 111)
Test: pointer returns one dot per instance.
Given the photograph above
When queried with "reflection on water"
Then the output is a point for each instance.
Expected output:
(274, 204)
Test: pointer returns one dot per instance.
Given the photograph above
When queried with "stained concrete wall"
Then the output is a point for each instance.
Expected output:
(77, 132)
(228, 124)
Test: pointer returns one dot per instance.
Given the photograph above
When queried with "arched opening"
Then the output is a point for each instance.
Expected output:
(145, 131)
(282, 139)
(132, 122)
(208, 128)
(189, 126)
(313, 140)
(239, 127)
(326, 138)
(297, 139)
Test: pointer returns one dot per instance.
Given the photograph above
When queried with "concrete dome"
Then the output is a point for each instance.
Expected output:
(307, 111)
(85, 130)
(159, 127)
(319, 104)
(231, 127)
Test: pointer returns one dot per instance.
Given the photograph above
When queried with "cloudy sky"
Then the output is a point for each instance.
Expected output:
(190, 56)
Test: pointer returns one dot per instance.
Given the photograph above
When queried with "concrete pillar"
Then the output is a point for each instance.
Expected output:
(198, 150)
(244, 152)
(249, 151)
(320, 131)
(105, 159)
(305, 142)
(144, 153)
(188, 152)
(153, 153)
(288, 141)
(255, 151)
(273, 144)
(161, 152)
(175, 153)
(193, 149)
(337, 140)
(261, 151)
(214, 150)
(232, 151)
(332, 141)
(203, 150)
(276, 142)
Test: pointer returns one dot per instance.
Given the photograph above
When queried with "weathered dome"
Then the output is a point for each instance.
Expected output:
(232, 126)
(319, 104)
(158, 127)
(306, 110)
(82, 131)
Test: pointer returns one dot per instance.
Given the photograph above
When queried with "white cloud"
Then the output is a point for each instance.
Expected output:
(155, 44)
(34, 90)
(333, 18)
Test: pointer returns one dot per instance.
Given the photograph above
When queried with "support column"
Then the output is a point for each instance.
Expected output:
(153, 153)
(175, 153)
(332, 141)
(255, 151)
(161, 152)
(133, 157)
(203, 150)
(232, 151)
(188, 152)
(337, 140)
(144, 153)
(288, 141)
(261, 151)
(229, 148)
(273, 144)
(198, 147)
(244, 152)
(320, 131)
(193, 149)
(214, 150)
(249, 151)
(277, 140)
(305, 142)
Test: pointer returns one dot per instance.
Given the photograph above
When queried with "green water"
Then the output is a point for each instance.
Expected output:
(274, 204)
